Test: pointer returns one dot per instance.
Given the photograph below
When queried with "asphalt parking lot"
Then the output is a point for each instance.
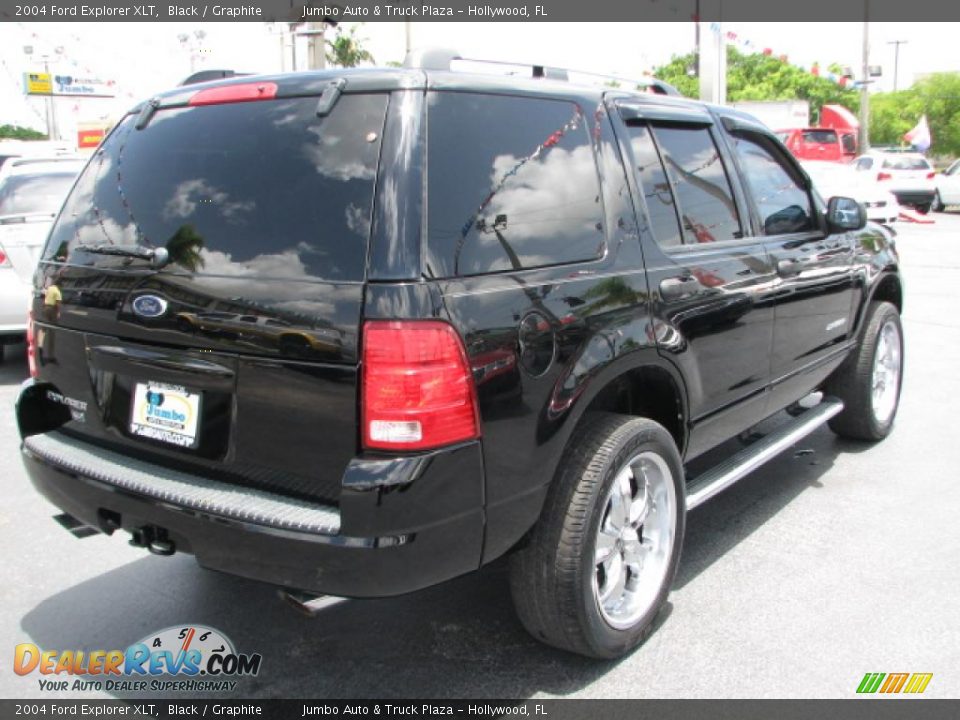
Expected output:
(827, 563)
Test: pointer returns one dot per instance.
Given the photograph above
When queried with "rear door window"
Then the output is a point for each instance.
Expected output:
(265, 189)
(657, 193)
(512, 184)
(708, 212)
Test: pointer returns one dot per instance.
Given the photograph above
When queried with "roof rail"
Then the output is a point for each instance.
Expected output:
(443, 59)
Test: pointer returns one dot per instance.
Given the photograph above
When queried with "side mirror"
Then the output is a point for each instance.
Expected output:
(845, 214)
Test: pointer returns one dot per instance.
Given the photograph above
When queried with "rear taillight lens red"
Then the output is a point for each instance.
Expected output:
(4, 260)
(417, 391)
(243, 92)
(32, 347)
(884, 176)
(931, 175)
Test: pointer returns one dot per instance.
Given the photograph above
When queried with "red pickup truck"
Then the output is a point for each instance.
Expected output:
(835, 140)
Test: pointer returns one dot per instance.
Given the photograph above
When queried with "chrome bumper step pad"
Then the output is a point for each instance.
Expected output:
(191, 492)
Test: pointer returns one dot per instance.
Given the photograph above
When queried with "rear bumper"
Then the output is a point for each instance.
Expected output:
(914, 197)
(419, 531)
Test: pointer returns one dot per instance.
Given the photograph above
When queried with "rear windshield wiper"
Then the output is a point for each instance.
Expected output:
(158, 257)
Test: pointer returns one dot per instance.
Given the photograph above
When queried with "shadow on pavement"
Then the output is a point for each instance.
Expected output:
(719, 525)
(460, 639)
(13, 368)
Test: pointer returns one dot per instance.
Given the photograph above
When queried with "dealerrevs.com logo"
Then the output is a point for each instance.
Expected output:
(192, 658)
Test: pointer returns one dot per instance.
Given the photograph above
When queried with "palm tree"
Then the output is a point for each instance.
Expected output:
(346, 49)
(184, 248)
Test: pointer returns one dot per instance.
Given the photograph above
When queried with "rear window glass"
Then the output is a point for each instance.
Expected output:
(821, 137)
(265, 189)
(905, 163)
(512, 184)
(26, 194)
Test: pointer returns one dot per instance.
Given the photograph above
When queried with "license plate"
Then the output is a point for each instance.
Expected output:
(168, 413)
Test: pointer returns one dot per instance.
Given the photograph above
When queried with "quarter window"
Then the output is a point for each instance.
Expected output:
(512, 184)
(783, 203)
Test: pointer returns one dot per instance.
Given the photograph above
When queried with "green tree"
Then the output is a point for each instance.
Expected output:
(756, 76)
(16, 132)
(937, 96)
(346, 49)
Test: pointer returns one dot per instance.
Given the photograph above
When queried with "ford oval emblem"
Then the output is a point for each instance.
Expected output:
(149, 306)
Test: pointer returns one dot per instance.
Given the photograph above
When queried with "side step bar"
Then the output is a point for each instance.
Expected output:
(722, 476)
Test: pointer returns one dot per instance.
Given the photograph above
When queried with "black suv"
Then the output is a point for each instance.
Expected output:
(360, 332)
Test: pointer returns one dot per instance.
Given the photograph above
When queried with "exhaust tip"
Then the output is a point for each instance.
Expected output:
(75, 527)
(307, 603)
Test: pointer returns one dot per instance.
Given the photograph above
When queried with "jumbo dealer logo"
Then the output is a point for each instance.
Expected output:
(184, 651)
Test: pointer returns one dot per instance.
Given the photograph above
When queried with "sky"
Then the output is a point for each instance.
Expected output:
(144, 58)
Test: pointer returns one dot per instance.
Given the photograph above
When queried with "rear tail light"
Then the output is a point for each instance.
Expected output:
(417, 391)
(32, 346)
(931, 175)
(884, 176)
(4, 260)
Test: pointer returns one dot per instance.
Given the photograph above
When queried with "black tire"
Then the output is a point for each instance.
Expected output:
(853, 381)
(552, 578)
(938, 205)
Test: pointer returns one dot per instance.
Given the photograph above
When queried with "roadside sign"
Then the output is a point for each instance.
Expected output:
(38, 83)
(68, 85)
(90, 135)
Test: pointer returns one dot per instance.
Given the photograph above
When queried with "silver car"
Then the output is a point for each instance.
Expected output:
(30, 198)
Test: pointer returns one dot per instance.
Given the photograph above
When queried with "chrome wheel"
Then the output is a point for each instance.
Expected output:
(885, 381)
(634, 541)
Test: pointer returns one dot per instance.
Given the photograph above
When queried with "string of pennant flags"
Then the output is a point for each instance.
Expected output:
(745, 44)
(750, 46)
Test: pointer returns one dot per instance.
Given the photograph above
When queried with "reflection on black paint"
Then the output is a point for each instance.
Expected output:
(522, 193)
(272, 190)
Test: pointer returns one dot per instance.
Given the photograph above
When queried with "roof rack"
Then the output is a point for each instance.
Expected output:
(443, 59)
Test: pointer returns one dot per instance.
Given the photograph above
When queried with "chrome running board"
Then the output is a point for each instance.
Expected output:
(720, 477)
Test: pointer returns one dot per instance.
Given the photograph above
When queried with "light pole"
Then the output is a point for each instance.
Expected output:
(864, 140)
(896, 60)
(50, 109)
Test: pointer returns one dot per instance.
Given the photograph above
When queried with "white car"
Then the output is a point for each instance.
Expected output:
(832, 179)
(30, 198)
(948, 187)
(907, 175)
(66, 163)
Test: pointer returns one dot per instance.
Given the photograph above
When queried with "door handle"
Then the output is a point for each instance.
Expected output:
(788, 268)
(674, 288)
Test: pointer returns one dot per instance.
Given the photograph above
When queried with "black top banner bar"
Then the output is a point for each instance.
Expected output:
(484, 10)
